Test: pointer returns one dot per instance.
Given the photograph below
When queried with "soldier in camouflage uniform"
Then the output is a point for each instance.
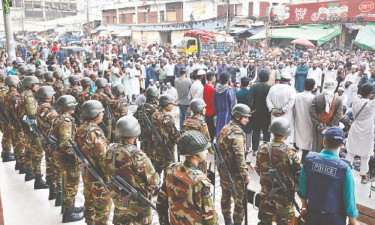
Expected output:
(119, 106)
(22, 70)
(27, 107)
(91, 140)
(58, 85)
(147, 108)
(133, 165)
(231, 141)
(287, 162)
(186, 190)
(48, 78)
(46, 116)
(164, 123)
(10, 102)
(85, 94)
(5, 126)
(64, 130)
(30, 72)
(39, 74)
(101, 96)
(74, 90)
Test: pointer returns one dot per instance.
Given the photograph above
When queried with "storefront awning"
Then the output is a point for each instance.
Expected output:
(321, 33)
(352, 26)
(366, 37)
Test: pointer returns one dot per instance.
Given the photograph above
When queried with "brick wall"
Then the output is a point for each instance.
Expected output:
(141, 17)
(179, 17)
(111, 14)
(251, 8)
(222, 10)
(263, 9)
(153, 17)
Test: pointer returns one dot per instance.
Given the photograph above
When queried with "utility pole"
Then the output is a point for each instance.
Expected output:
(88, 19)
(228, 16)
(8, 31)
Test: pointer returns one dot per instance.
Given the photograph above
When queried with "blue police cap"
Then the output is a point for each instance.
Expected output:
(334, 135)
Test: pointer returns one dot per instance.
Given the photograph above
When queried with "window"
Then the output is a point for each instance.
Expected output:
(107, 19)
(275, 4)
(114, 20)
(190, 43)
(145, 14)
(162, 16)
(238, 11)
(123, 18)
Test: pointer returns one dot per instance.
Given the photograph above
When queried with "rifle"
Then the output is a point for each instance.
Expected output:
(221, 162)
(150, 127)
(112, 115)
(86, 163)
(4, 114)
(245, 202)
(76, 115)
(278, 180)
(132, 192)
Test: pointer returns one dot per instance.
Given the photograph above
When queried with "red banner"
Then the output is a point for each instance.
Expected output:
(346, 11)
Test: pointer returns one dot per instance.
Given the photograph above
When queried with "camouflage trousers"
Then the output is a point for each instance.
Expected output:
(228, 196)
(18, 141)
(97, 201)
(53, 170)
(71, 182)
(33, 153)
(282, 208)
(161, 163)
(133, 214)
(6, 141)
(146, 144)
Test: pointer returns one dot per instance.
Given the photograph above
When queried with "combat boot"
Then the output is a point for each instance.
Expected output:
(77, 209)
(91, 223)
(52, 192)
(70, 216)
(29, 174)
(40, 183)
(22, 168)
(8, 157)
(58, 199)
(228, 221)
(17, 166)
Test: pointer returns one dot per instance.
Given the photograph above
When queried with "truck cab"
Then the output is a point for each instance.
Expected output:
(188, 45)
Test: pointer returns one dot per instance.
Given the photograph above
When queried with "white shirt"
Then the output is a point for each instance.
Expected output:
(172, 92)
(242, 73)
(115, 79)
(316, 75)
(169, 69)
(348, 91)
(196, 90)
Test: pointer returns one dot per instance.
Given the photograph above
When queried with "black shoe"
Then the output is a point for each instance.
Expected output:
(91, 223)
(8, 157)
(40, 183)
(29, 174)
(52, 192)
(77, 209)
(228, 221)
(58, 199)
(22, 168)
(17, 166)
(70, 216)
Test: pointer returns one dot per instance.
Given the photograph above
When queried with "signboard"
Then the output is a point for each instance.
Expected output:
(346, 11)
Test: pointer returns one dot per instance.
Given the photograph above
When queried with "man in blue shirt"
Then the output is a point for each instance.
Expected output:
(326, 185)
(14, 68)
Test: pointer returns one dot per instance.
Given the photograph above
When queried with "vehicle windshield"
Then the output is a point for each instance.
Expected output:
(180, 43)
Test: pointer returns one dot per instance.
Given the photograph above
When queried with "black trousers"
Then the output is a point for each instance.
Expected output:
(256, 137)
(170, 79)
(211, 126)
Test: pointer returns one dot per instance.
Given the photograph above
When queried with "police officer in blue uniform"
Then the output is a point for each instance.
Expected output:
(326, 185)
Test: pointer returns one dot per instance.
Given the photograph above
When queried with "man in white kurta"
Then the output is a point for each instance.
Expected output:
(361, 134)
(315, 73)
(348, 84)
(280, 102)
(302, 121)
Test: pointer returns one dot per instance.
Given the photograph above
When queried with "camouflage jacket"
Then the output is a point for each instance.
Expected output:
(11, 100)
(64, 130)
(101, 97)
(46, 116)
(148, 108)
(3, 92)
(93, 143)
(164, 123)
(48, 83)
(285, 160)
(28, 105)
(133, 165)
(186, 193)
(84, 96)
(119, 108)
(231, 142)
(73, 92)
(59, 88)
(197, 123)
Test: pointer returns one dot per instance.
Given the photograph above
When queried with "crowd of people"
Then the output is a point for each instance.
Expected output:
(300, 113)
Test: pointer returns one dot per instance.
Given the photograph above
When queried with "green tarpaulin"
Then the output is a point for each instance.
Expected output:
(366, 37)
(321, 33)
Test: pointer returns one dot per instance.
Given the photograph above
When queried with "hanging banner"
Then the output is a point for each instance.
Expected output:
(6, 7)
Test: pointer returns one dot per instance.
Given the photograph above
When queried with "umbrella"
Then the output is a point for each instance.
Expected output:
(303, 41)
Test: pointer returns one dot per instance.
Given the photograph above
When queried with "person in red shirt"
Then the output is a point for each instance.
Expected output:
(55, 48)
(208, 96)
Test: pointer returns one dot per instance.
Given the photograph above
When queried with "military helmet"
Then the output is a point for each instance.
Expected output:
(30, 71)
(2, 75)
(101, 83)
(12, 80)
(20, 64)
(22, 69)
(73, 80)
(152, 92)
(165, 100)
(192, 143)
(66, 103)
(58, 74)
(91, 109)
(280, 126)
(86, 82)
(240, 110)
(48, 75)
(197, 105)
(45, 92)
(29, 81)
(118, 90)
(127, 127)
(39, 72)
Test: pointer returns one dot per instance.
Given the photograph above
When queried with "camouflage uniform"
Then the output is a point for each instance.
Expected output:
(164, 123)
(6, 129)
(84, 96)
(146, 139)
(105, 100)
(59, 88)
(91, 140)
(47, 83)
(135, 167)
(286, 161)
(186, 192)
(231, 142)
(64, 130)
(10, 101)
(33, 153)
(73, 91)
(119, 108)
